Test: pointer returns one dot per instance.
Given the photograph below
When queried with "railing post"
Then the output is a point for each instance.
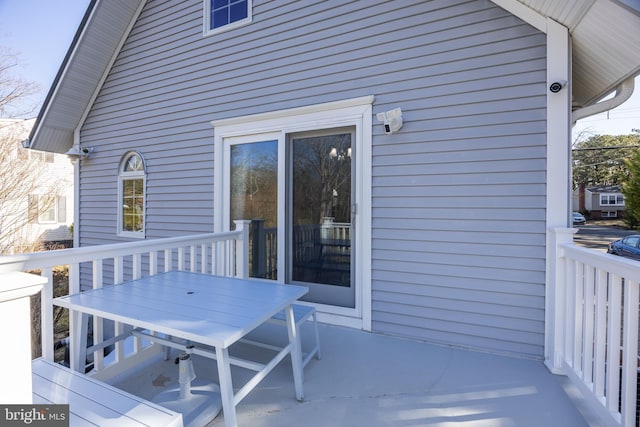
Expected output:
(77, 326)
(242, 248)
(555, 298)
(258, 249)
(15, 331)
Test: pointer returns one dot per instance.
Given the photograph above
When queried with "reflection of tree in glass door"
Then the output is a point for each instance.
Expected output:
(254, 196)
(321, 209)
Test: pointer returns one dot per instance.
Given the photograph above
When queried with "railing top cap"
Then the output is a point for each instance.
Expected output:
(15, 284)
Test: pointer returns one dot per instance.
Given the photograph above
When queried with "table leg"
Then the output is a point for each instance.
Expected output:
(78, 350)
(296, 353)
(226, 387)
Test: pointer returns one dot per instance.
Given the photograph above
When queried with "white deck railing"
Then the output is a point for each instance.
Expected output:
(96, 266)
(595, 326)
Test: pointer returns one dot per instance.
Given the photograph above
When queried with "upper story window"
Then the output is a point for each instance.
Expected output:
(222, 15)
(28, 154)
(131, 196)
(611, 200)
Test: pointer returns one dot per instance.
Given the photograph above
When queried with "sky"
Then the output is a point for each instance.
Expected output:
(40, 31)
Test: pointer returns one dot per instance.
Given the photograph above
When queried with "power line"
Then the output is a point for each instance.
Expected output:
(604, 148)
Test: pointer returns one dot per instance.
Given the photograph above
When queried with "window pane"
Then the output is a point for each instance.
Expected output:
(238, 11)
(134, 164)
(254, 196)
(219, 18)
(219, 3)
(47, 209)
(132, 205)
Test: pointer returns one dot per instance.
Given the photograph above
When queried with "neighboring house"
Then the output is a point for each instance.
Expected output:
(430, 222)
(36, 193)
(604, 201)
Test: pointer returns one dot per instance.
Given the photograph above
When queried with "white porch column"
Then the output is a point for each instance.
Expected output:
(15, 334)
(558, 192)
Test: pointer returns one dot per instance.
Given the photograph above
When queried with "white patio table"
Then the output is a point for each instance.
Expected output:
(211, 310)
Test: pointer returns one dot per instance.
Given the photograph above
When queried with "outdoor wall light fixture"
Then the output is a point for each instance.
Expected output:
(76, 152)
(392, 120)
(339, 155)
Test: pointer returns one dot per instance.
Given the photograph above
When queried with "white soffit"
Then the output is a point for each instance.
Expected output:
(605, 36)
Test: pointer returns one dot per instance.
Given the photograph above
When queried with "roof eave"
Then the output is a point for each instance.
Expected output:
(81, 74)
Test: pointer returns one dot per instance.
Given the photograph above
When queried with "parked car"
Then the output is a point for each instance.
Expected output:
(627, 246)
(578, 218)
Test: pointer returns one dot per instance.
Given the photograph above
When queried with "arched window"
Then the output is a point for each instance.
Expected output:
(131, 196)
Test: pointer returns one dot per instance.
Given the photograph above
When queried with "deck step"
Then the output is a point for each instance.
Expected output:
(95, 403)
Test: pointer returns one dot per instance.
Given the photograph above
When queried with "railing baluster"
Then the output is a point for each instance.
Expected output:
(181, 258)
(577, 319)
(570, 302)
(613, 344)
(98, 326)
(136, 267)
(168, 260)
(588, 319)
(600, 333)
(203, 258)
(46, 315)
(192, 258)
(118, 277)
(630, 353)
(153, 263)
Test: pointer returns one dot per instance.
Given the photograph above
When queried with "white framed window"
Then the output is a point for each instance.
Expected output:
(132, 196)
(29, 154)
(611, 200)
(47, 209)
(223, 15)
(317, 225)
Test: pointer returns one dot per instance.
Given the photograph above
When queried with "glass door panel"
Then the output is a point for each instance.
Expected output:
(320, 224)
(254, 195)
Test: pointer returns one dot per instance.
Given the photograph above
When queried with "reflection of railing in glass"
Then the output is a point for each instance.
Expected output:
(263, 251)
(321, 253)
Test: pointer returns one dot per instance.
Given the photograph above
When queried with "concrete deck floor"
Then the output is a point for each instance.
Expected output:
(372, 380)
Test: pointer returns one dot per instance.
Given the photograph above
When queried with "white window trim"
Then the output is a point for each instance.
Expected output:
(208, 31)
(610, 196)
(352, 112)
(121, 178)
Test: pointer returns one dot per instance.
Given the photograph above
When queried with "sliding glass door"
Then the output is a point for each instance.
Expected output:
(319, 218)
(303, 183)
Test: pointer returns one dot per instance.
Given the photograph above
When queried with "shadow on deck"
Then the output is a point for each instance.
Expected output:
(373, 380)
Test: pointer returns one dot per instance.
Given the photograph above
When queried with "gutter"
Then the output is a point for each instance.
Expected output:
(623, 92)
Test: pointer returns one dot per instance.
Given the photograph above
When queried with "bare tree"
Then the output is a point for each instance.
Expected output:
(28, 188)
(30, 184)
(16, 94)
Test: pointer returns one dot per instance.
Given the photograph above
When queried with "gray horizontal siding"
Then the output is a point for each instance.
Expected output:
(458, 197)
